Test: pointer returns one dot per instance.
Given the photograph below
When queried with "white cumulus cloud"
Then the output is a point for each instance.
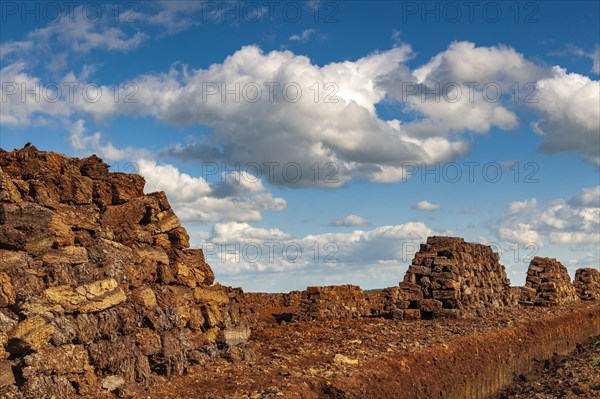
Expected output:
(573, 221)
(350, 220)
(426, 206)
(569, 104)
(280, 107)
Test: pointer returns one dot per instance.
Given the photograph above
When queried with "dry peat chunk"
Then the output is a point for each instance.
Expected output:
(30, 335)
(448, 277)
(333, 302)
(587, 284)
(548, 284)
(98, 290)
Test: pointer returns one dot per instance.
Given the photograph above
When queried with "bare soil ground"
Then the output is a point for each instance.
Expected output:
(574, 376)
(300, 360)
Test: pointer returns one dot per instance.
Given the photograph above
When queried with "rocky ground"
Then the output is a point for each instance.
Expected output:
(299, 360)
(574, 376)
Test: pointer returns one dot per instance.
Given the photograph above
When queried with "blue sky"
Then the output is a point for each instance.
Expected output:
(420, 118)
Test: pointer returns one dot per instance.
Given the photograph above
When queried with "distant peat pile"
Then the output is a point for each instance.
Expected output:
(333, 302)
(547, 284)
(449, 276)
(97, 288)
(587, 284)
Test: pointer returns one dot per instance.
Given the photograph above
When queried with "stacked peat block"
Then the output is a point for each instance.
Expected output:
(97, 288)
(587, 284)
(333, 302)
(547, 284)
(376, 301)
(403, 301)
(515, 294)
(455, 277)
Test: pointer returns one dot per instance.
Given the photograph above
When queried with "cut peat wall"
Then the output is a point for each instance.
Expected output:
(98, 288)
(471, 367)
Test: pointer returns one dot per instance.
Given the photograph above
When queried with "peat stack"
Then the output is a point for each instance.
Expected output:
(332, 302)
(97, 287)
(449, 276)
(547, 284)
(587, 284)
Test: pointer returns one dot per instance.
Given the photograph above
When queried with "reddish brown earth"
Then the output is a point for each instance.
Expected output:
(574, 376)
(297, 360)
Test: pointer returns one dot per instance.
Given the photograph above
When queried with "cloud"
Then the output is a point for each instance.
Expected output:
(463, 61)
(350, 220)
(303, 37)
(239, 248)
(85, 143)
(12, 47)
(573, 221)
(384, 243)
(508, 164)
(235, 197)
(73, 33)
(457, 88)
(349, 140)
(426, 206)
(313, 5)
(594, 56)
(176, 16)
(196, 201)
(84, 39)
(568, 103)
(587, 198)
(193, 200)
(243, 232)
(396, 37)
(20, 108)
(327, 115)
(80, 33)
(439, 90)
